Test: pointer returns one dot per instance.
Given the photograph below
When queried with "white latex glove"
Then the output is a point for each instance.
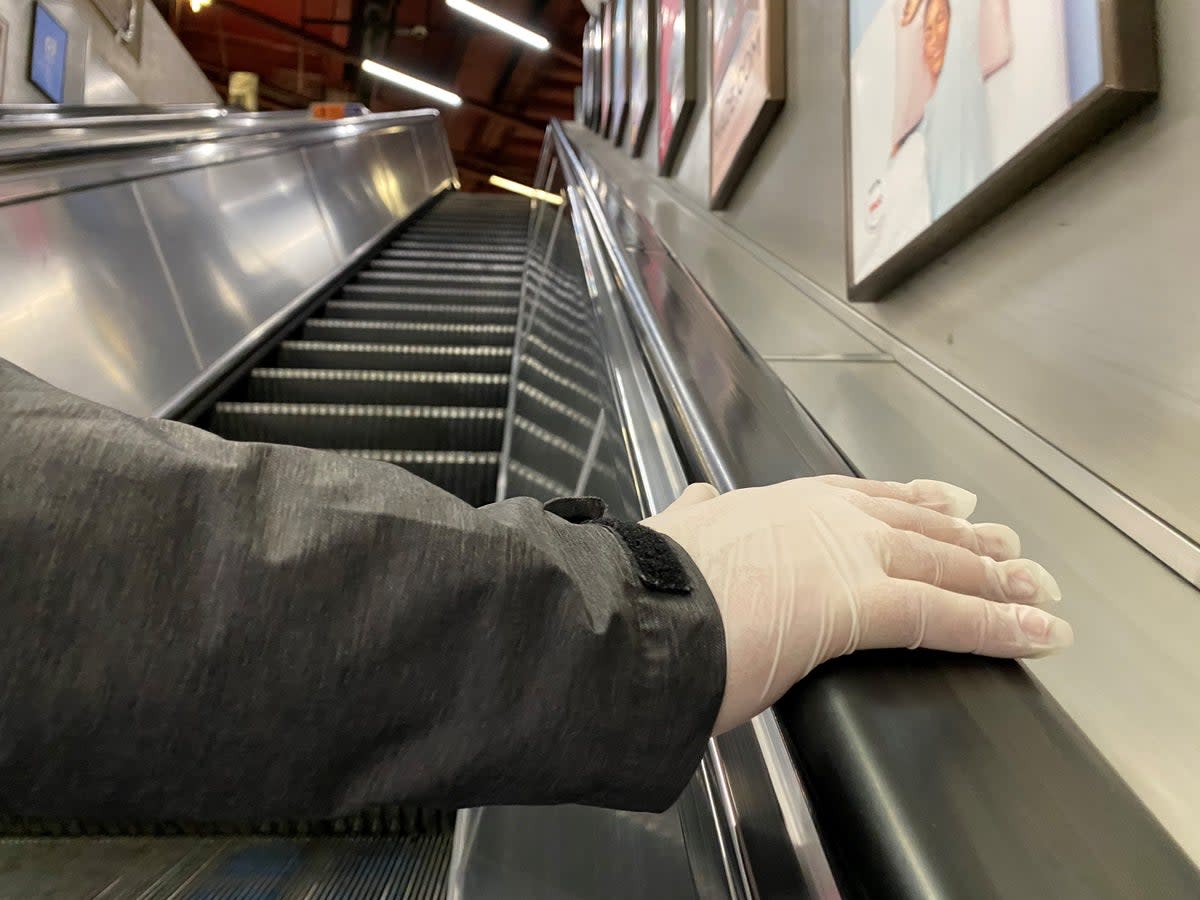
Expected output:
(816, 568)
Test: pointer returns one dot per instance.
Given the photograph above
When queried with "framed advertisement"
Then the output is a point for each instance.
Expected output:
(959, 107)
(606, 69)
(620, 64)
(749, 85)
(643, 24)
(48, 54)
(588, 72)
(676, 77)
(3, 53)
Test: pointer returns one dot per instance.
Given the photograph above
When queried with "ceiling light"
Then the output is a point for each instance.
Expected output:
(387, 73)
(489, 18)
(525, 190)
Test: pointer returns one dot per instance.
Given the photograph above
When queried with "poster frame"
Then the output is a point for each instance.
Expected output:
(641, 109)
(1129, 81)
(668, 154)
(768, 81)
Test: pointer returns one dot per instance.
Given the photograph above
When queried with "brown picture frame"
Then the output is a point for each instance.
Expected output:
(1128, 80)
(643, 86)
(591, 74)
(620, 69)
(3, 53)
(748, 86)
(675, 78)
(606, 70)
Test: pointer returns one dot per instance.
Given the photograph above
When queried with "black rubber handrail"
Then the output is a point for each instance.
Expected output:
(929, 775)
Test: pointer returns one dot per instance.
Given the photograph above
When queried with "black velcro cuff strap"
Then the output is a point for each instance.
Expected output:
(657, 562)
(658, 565)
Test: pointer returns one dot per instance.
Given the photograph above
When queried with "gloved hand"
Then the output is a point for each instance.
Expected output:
(816, 568)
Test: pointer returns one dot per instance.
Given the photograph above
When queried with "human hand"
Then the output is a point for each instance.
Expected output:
(816, 568)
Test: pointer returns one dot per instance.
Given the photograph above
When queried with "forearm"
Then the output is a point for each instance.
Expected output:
(203, 630)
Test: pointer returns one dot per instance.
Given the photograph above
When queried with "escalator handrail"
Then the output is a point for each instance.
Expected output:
(41, 142)
(929, 775)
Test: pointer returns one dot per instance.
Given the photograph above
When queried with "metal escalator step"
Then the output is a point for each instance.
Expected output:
(362, 330)
(374, 386)
(400, 252)
(502, 243)
(565, 420)
(222, 868)
(486, 229)
(350, 426)
(461, 244)
(421, 293)
(449, 275)
(465, 264)
(412, 357)
(469, 475)
(383, 310)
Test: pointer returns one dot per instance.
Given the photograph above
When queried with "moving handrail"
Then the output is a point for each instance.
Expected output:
(929, 775)
(35, 140)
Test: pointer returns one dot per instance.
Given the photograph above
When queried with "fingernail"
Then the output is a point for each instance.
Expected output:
(1020, 585)
(1045, 632)
(998, 541)
(947, 498)
(1025, 580)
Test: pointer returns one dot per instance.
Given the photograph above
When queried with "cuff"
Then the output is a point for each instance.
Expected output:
(681, 648)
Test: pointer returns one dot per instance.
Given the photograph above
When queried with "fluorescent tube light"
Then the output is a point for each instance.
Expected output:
(489, 18)
(395, 76)
(525, 190)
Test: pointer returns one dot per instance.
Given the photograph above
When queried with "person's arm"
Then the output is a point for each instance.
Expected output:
(194, 629)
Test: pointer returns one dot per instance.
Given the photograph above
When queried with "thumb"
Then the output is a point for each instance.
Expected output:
(694, 494)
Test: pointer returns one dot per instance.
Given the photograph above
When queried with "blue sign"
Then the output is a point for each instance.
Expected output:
(48, 54)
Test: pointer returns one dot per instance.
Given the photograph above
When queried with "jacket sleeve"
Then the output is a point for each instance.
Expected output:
(194, 629)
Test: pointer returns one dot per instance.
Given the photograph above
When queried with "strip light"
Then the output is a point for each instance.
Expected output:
(525, 190)
(395, 76)
(489, 18)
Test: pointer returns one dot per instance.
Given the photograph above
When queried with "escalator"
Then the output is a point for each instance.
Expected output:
(408, 362)
(334, 292)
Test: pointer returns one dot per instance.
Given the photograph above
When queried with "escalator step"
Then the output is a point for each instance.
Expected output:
(430, 242)
(354, 426)
(429, 293)
(466, 264)
(227, 868)
(468, 475)
(363, 330)
(448, 276)
(373, 386)
(383, 310)
(399, 252)
(424, 357)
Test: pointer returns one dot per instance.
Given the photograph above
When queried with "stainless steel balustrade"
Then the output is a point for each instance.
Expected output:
(141, 263)
(927, 775)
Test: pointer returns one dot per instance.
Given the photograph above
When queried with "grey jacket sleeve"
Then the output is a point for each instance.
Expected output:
(193, 629)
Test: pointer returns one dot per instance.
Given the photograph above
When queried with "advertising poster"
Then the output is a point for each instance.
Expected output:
(589, 73)
(676, 77)
(946, 94)
(620, 77)
(606, 69)
(3, 53)
(643, 23)
(48, 54)
(748, 86)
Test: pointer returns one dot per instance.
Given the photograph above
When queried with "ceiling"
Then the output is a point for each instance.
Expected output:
(306, 50)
